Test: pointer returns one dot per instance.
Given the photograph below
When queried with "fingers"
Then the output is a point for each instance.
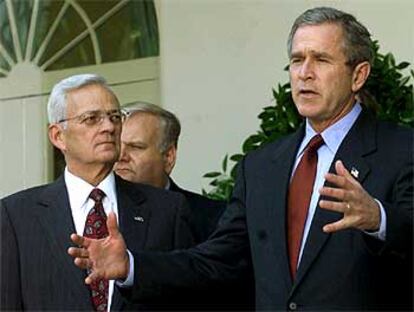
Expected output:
(83, 263)
(334, 206)
(80, 240)
(78, 252)
(336, 193)
(336, 226)
(112, 225)
(342, 171)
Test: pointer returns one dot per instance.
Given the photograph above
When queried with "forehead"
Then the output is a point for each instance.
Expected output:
(326, 37)
(91, 97)
(143, 126)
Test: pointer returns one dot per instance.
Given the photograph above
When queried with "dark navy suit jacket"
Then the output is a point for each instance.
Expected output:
(346, 270)
(36, 271)
(237, 295)
(206, 212)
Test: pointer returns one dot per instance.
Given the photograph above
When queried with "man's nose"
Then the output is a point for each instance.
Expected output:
(123, 155)
(306, 70)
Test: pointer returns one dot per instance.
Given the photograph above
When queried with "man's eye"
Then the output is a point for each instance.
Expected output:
(116, 117)
(90, 119)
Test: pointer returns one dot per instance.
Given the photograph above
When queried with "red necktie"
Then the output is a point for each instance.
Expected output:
(95, 227)
(300, 193)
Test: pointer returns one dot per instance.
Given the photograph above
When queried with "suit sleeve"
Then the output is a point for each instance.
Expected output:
(223, 258)
(399, 237)
(10, 293)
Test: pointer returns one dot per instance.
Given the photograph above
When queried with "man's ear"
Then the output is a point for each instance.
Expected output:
(57, 137)
(360, 76)
(170, 156)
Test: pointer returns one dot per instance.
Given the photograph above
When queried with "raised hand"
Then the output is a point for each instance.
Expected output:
(103, 258)
(360, 210)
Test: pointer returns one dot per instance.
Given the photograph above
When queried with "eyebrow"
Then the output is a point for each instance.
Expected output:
(313, 53)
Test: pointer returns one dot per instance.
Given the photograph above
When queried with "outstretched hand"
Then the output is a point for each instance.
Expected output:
(360, 210)
(103, 258)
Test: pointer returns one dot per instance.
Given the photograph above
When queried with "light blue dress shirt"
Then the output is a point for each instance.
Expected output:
(333, 137)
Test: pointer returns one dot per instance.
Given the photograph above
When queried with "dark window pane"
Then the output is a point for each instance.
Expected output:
(48, 12)
(96, 8)
(130, 33)
(69, 28)
(80, 55)
(22, 13)
(5, 33)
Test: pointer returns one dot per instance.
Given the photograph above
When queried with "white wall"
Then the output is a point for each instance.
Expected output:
(221, 58)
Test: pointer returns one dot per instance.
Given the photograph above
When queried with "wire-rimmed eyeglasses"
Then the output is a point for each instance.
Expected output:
(95, 117)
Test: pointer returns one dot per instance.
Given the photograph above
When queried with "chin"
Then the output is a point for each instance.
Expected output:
(308, 110)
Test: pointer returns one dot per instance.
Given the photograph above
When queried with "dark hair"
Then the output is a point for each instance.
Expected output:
(357, 45)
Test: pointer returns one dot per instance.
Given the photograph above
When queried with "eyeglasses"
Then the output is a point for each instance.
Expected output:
(93, 118)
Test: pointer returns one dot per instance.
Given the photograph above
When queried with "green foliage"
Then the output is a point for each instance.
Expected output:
(388, 92)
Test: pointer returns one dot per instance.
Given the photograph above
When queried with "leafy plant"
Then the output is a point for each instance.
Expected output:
(388, 93)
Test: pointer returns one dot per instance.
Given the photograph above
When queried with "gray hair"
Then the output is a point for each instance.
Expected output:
(357, 45)
(56, 106)
(170, 127)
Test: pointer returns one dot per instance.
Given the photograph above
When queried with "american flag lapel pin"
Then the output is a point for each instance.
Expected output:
(354, 172)
(139, 218)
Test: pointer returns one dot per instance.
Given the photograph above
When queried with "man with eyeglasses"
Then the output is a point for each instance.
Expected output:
(36, 272)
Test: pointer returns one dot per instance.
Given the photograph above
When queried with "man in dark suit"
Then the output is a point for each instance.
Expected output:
(36, 271)
(341, 238)
(149, 141)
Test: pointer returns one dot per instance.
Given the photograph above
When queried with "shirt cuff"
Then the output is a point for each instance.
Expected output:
(381, 233)
(129, 281)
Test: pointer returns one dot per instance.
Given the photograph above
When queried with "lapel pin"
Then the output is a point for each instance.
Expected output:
(354, 172)
(139, 219)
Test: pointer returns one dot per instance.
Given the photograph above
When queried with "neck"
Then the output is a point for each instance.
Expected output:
(321, 125)
(91, 174)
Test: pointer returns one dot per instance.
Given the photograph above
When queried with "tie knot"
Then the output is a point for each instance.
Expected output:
(314, 144)
(97, 195)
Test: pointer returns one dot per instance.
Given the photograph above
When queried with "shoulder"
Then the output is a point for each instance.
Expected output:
(392, 131)
(147, 192)
(30, 194)
(395, 141)
(195, 199)
(271, 150)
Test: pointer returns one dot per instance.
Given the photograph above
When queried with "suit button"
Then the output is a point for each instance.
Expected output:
(293, 306)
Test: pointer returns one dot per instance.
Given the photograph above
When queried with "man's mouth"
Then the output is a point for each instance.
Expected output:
(307, 92)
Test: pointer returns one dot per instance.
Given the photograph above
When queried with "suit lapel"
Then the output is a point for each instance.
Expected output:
(134, 217)
(359, 142)
(56, 218)
(274, 200)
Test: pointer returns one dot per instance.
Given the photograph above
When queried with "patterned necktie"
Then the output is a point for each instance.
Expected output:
(300, 193)
(95, 227)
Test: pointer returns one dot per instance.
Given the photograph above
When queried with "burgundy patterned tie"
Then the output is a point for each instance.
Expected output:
(300, 193)
(95, 227)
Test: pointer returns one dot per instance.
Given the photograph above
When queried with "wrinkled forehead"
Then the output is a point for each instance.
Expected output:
(91, 97)
(143, 127)
(319, 38)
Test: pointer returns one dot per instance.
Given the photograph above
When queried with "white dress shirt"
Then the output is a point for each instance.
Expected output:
(81, 204)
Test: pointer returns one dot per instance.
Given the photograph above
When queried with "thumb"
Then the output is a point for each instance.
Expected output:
(112, 224)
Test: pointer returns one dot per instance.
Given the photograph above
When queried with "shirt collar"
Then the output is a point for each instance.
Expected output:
(334, 134)
(79, 189)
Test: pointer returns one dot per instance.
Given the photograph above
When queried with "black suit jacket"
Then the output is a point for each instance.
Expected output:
(346, 270)
(206, 212)
(237, 295)
(36, 271)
